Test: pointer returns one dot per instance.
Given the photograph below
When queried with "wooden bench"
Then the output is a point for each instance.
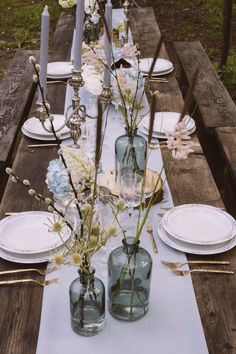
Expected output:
(16, 95)
(215, 117)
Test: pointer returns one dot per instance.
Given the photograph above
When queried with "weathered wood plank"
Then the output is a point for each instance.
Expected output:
(16, 95)
(214, 102)
(21, 305)
(191, 181)
(215, 109)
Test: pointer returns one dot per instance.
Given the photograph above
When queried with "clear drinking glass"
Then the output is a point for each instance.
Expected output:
(130, 190)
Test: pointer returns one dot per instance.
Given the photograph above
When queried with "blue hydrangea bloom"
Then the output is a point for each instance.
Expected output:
(57, 179)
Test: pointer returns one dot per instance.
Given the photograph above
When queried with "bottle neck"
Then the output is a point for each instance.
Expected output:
(131, 132)
(130, 246)
(86, 278)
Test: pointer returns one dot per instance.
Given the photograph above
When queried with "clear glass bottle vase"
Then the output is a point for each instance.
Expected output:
(129, 279)
(87, 304)
(130, 153)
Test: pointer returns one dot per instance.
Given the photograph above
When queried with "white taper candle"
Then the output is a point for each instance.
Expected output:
(79, 34)
(43, 61)
(107, 44)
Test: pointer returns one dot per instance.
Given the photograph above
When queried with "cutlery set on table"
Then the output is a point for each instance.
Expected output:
(29, 280)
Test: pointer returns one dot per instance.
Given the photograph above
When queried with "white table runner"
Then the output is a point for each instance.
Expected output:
(171, 326)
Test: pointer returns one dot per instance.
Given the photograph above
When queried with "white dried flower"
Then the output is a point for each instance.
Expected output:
(8, 170)
(35, 78)
(37, 197)
(87, 208)
(31, 192)
(120, 204)
(32, 59)
(13, 179)
(50, 208)
(37, 67)
(111, 231)
(51, 118)
(26, 182)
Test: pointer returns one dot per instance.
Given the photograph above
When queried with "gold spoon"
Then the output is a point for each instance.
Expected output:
(150, 231)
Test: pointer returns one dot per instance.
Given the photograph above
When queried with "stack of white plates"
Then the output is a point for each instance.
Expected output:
(34, 129)
(164, 123)
(59, 70)
(161, 67)
(198, 229)
(25, 238)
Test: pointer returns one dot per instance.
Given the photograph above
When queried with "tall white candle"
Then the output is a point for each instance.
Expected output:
(79, 34)
(43, 61)
(107, 44)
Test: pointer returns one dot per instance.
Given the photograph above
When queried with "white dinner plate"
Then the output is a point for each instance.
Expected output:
(162, 73)
(199, 224)
(195, 249)
(155, 135)
(27, 233)
(161, 66)
(34, 126)
(31, 258)
(59, 69)
(165, 122)
(43, 138)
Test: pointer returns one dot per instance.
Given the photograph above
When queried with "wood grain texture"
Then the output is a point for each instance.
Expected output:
(16, 93)
(227, 140)
(21, 304)
(191, 181)
(214, 102)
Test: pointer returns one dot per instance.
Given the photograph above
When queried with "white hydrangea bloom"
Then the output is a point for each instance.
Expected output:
(93, 80)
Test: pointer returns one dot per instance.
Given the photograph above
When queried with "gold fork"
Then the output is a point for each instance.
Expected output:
(187, 272)
(150, 231)
(175, 265)
(40, 271)
(39, 282)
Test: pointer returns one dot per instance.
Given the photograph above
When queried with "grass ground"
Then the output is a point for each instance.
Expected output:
(178, 20)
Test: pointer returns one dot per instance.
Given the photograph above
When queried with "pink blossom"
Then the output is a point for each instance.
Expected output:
(179, 142)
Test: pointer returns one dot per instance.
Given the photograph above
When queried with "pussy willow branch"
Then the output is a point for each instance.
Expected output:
(59, 146)
(41, 197)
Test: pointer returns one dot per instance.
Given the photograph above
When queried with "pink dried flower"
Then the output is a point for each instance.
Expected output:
(179, 142)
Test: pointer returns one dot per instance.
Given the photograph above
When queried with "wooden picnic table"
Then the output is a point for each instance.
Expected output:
(190, 182)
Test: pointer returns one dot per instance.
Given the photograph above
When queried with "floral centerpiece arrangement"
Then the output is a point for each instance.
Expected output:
(73, 176)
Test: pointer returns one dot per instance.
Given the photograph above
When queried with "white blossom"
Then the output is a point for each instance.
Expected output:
(32, 59)
(13, 179)
(31, 192)
(35, 78)
(48, 201)
(26, 182)
(8, 170)
(37, 67)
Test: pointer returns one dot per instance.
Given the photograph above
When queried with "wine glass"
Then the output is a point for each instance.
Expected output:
(130, 190)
